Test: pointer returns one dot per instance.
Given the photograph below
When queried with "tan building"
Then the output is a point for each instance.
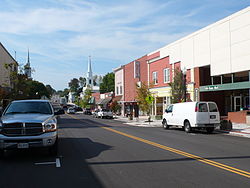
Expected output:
(6, 59)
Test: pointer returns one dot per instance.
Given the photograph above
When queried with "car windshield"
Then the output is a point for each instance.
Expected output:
(29, 107)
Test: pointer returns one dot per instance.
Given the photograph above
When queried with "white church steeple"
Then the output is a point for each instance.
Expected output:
(89, 74)
(27, 68)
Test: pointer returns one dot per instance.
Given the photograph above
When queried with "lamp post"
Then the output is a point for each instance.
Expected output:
(184, 83)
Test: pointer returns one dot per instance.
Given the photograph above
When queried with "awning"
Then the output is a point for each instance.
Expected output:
(104, 101)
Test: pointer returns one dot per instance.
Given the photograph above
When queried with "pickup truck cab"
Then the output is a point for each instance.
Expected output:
(27, 124)
(192, 115)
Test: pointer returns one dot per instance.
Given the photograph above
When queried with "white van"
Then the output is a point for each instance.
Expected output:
(190, 115)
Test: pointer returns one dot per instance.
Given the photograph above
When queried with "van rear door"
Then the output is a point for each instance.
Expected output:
(202, 115)
(214, 114)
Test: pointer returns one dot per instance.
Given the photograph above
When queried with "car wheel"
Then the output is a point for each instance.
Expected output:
(165, 124)
(187, 127)
(53, 150)
(210, 129)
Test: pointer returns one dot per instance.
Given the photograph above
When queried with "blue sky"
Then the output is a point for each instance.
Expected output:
(61, 34)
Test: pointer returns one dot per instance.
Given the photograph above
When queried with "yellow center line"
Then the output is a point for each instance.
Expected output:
(195, 157)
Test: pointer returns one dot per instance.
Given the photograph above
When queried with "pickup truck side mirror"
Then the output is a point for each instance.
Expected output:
(166, 111)
(59, 112)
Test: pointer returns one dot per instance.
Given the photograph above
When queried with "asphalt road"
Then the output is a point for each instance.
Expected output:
(106, 153)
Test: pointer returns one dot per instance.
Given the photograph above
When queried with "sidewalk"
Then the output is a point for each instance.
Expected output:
(238, 129)
(140, 122)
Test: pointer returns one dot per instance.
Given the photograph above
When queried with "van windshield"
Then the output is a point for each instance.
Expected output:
(212, 107)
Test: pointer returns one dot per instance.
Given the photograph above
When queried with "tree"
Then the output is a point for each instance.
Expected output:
(86, 98)
(144, 98)
(108, 83)
(74, 85)
(115, 107)
(82, 81)
(50, 90)
(177, 87)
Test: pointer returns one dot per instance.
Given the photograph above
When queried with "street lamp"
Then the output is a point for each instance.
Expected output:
(184, 83)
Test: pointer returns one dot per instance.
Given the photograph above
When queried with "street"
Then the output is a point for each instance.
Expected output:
(106, 153)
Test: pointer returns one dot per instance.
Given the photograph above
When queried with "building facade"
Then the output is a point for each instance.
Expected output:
(119, 87)
(218, 58)
(215, 60)
(6, 60)
(135, 72)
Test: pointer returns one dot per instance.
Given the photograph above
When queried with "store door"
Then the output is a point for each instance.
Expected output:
(237, 103)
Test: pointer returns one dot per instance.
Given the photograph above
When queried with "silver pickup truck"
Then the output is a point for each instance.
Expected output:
(28, 124)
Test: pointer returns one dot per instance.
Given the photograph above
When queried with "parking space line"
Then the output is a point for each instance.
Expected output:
(57, 163)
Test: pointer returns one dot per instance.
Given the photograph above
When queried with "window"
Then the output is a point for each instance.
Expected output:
(170, 109)
(121, 90)
(212, 107)
(203, 107)
(117, 90)
(166, 74)
(136, 69)
(155, 78)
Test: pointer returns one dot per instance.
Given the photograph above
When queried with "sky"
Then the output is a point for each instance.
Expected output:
(62, 34)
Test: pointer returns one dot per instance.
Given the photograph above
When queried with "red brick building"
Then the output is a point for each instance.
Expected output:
(135, 72)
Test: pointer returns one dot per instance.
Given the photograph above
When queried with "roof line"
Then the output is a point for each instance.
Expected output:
(8, 53)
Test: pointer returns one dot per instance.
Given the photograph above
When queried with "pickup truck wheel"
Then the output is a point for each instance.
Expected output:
(165, 125)
(53, 150)
(210, 129)
(187, 127)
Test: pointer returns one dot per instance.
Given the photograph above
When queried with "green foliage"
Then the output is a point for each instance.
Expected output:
(144, 98)
(82, 81)
(115, 107)
(86, 98)
(74, 85)
(108, 83)
(50, 90)
(177, 87)
(25, 88)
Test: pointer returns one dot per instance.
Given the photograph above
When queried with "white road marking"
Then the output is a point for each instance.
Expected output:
(45, 163)
(57, 163)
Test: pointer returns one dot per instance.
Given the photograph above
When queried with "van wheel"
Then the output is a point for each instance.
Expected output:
(210, 129)
(187, 127)
(165, 125)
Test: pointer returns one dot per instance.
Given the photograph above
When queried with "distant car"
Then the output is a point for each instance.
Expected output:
(71, 110)
(28, 124)
(87, 111)
(104, 113)
(77, 108)
(95, 113)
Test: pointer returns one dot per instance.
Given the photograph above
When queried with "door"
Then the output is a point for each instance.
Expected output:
(237, 103)
(202, 115)
(213, 113)
(169, 115)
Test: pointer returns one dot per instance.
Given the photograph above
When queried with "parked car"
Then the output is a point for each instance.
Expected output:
(28, 124)
(192, 115)
(71, 110)
(77, 108)
(95, 113)
(87, 111)
(104, 113)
